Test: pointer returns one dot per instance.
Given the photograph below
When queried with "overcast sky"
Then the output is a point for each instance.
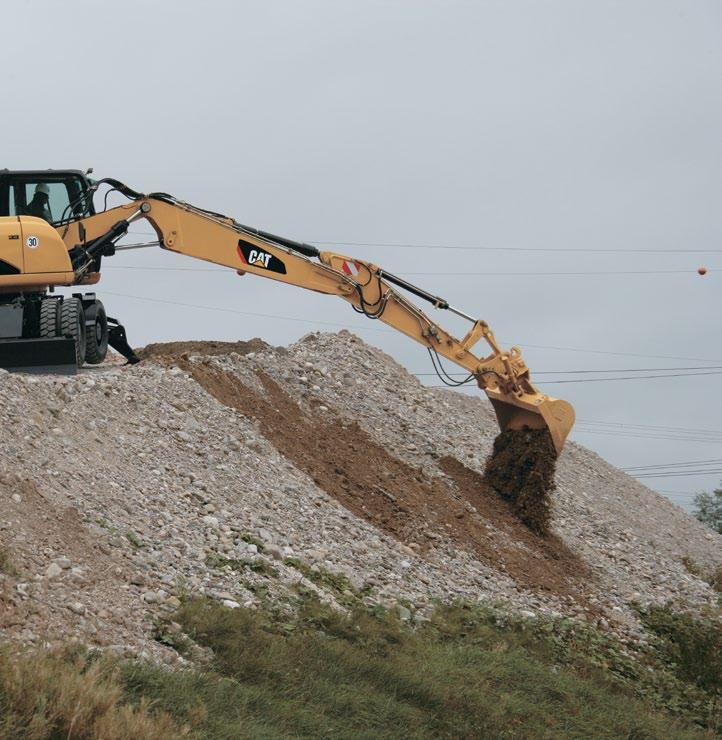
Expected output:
(509, 125)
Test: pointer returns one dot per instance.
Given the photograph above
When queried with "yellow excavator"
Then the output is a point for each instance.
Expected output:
(51, 235)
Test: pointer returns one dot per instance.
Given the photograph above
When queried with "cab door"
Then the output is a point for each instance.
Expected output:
(44, 251)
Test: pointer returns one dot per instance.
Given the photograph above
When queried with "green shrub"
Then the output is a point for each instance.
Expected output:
(692, 645)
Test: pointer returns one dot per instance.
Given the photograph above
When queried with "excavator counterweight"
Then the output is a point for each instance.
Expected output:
(51, 235)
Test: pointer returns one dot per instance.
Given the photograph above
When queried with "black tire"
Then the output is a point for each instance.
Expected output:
(72, 325)
(49, 317)
(96, 334)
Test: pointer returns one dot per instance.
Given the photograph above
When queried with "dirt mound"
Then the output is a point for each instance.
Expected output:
(417, 509)
(172, 349)
(248, 476)
(521, 468)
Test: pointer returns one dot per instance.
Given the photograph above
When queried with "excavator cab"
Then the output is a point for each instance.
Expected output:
(56, 196)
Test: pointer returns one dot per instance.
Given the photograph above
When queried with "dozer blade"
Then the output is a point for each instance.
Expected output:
(534, 411)
(55, 356)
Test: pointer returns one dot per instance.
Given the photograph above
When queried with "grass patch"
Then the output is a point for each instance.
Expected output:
(317, 672)
(134, 540)
(337, 583)
(467, 673)
(241, 564)
(715, 579)
(6, 563)
(171, 635)
(68, 695)
(107, 526)
(251, 540)
(648, 672)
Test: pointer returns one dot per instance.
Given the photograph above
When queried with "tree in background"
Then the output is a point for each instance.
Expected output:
(708, 508)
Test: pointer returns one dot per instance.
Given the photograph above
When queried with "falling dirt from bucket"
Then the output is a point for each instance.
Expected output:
(521, 469)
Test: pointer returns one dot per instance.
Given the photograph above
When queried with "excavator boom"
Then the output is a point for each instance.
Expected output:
(78, 243)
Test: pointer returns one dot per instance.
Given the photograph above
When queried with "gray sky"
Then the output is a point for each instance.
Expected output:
(504, 124)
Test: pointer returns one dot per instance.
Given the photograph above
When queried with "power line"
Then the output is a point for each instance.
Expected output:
(661, 472)
(403, 245)
(618, 354)
(666, 466)
(648, 431)
(627, 377)
(631, 377)
(626, 370)
(584, 273)
(580, 430)
(649, 426)
(680, 474)
(589, 372)
(439, 273)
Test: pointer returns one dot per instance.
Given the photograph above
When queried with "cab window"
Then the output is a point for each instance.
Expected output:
(48, 199)
(57, 201)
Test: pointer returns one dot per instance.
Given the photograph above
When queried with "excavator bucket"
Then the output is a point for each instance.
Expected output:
(533, 411)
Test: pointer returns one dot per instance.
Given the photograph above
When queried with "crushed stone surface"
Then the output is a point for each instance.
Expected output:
(122, 489)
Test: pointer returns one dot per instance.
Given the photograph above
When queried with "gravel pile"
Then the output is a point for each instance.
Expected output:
(247, 471)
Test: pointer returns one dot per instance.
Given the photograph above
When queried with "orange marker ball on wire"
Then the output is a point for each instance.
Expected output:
(702, 270)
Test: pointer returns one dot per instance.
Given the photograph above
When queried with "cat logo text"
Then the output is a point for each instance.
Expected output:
(253, 256)
(259, 259)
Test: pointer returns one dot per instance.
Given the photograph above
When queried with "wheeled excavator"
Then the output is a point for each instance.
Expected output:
(52, 235)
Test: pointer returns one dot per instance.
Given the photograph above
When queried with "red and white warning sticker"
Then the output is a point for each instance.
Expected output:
(351, 268)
